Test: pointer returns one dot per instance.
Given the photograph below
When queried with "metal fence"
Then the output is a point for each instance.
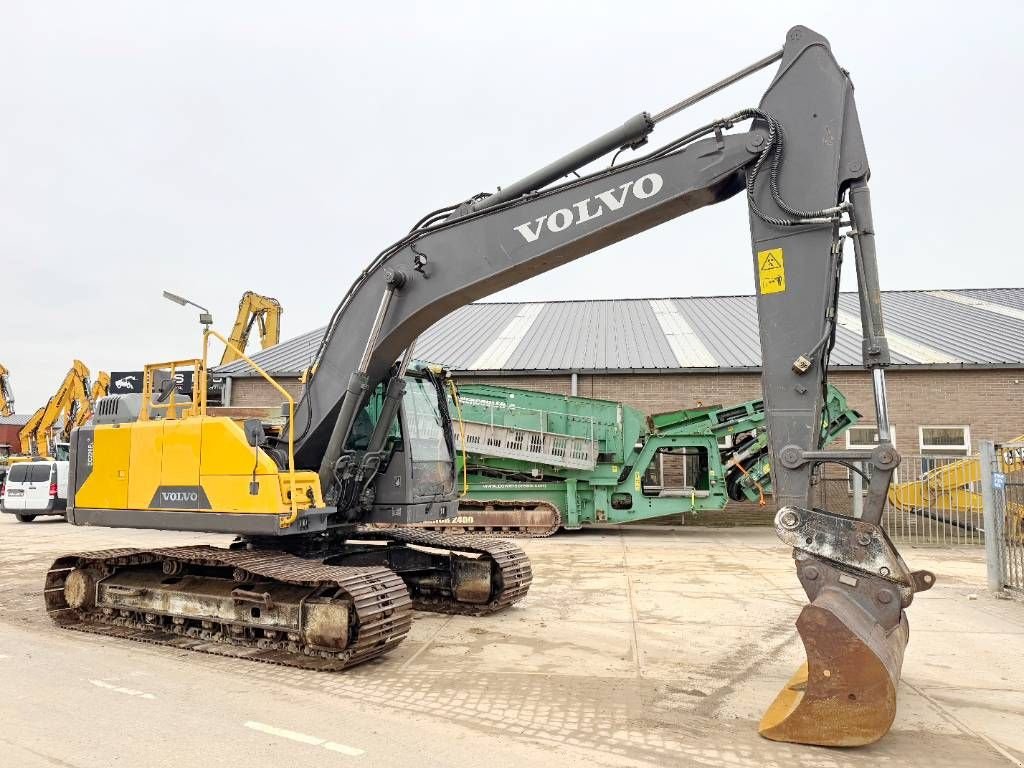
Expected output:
(1003, 480)
(934, 499)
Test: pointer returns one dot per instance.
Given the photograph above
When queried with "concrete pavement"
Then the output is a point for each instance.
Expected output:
(635, 647)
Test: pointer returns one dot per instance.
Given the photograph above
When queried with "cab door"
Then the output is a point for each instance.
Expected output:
(14, 488)
(41, 476)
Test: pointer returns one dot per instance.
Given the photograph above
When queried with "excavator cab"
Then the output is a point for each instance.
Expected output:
(415, 462)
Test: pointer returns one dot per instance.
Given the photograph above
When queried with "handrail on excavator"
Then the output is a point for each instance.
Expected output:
(198, 405)
(285, 522)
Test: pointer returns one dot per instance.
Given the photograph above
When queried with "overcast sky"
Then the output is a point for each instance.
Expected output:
(213, 147)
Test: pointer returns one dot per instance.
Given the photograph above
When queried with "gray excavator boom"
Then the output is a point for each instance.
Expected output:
(803, 167)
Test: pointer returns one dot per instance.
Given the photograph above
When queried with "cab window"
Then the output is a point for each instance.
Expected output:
(39, 473)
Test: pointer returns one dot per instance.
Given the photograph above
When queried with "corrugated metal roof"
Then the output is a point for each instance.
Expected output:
(728, 327)
(463, 335)
(1008, 297)
(966, 333)
(977, 327)
(288, 358)
(17, 420)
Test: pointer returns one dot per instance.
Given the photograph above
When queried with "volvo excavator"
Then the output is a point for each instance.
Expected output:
(309, 583)
(261, 311)
(70, 399)
(6, 393)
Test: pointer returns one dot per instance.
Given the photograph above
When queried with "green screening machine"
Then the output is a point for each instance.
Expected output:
(533, 462)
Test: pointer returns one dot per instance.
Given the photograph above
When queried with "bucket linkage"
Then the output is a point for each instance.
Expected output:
(854, 630)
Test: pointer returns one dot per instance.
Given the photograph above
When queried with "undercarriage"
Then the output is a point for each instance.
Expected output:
(331, 602)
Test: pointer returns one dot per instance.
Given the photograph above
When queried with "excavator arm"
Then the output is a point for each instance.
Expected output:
(801, 163)
(27, 434)
(100, 388)
(253, 309)
(69, 400)
(6, 393)
(77, 405)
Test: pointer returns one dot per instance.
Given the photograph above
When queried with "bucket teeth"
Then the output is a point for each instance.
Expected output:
(845, 694)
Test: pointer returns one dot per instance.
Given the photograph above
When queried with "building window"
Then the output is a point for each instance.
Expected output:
(940, 444)
(865, 437)
(951, 441)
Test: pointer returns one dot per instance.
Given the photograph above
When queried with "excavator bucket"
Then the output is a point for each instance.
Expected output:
(844, 695)
(854, 631)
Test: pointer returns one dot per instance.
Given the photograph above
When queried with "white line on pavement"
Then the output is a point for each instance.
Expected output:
(119, 689)
(343, 748)
(304, 738)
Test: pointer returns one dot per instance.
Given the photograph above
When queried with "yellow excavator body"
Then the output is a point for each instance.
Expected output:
(194, 464)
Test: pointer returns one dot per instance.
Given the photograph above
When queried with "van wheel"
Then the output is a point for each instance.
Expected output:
(25, 518)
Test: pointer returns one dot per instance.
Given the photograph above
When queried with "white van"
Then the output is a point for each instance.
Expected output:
(34, 488)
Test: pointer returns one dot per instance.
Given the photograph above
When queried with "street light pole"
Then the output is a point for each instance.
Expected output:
(205, 318)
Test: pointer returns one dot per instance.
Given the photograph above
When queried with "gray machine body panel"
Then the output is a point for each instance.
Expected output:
(310, 521)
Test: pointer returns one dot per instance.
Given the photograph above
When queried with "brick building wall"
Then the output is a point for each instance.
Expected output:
(989, 402)
(9, 436)
(256, 393)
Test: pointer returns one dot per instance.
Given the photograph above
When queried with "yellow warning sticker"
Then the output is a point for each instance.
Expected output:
(771, 271)
(636, 480)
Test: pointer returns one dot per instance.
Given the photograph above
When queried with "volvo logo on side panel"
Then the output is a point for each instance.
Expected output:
(180, 497)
